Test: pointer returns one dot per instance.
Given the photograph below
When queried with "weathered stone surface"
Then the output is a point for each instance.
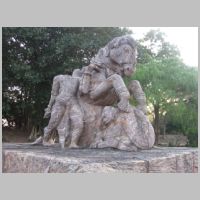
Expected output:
(91, 108)
(23, 158)
(195, 159)
(185, 162)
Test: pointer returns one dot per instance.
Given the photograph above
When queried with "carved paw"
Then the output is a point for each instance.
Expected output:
(124, 106)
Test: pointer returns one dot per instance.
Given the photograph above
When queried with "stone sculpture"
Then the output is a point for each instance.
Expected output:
(64, 110)
(91, 108)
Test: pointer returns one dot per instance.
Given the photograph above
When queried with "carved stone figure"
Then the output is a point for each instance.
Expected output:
(64, 109)
(102, 81)
(92, 105)
(125, 131)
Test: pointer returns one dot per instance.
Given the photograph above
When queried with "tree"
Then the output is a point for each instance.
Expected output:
(167, 82)
(33, 56)
(183, 116)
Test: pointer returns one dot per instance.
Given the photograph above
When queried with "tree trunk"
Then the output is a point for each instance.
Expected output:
(156, 122)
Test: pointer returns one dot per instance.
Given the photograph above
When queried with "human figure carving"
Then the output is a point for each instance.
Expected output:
(65, 111)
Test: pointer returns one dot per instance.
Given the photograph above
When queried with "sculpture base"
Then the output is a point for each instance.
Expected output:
(23, 158)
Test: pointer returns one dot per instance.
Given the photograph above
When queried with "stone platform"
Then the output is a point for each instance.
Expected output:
(38, 159)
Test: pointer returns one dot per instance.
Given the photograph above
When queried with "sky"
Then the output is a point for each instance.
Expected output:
(185, 38)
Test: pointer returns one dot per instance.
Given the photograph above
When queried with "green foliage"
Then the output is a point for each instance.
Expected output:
(183, 118)
(170, 86)
(33, 56)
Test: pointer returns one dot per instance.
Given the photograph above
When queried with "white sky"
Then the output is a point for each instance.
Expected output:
(185, 38)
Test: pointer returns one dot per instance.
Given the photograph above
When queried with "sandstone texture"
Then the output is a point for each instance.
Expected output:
(24, 158)
(91, 108)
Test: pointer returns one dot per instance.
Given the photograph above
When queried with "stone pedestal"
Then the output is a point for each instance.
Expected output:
(23, 158)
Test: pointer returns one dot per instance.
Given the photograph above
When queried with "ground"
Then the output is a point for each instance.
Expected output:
(14, 135)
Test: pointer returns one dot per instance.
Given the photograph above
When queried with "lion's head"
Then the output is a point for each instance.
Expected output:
(119, 55)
